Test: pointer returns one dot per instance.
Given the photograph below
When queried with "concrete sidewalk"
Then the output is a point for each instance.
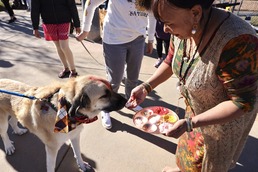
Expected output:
(124, 148)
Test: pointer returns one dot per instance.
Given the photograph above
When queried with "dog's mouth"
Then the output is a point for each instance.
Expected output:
(68, 119)
(80, 117)
(78, 113)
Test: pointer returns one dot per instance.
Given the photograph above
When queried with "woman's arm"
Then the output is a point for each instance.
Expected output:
(88, 13)
(238, 71)
(140, 92)
(35, 14)
(164, 71)
(222, 113)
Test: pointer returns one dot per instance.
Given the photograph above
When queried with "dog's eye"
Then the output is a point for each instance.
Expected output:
(104, 96)
(107, 95)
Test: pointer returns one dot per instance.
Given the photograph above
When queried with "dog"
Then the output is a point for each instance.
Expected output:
(55, 113)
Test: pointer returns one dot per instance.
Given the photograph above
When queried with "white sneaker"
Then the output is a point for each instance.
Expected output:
(137, 108)
(105, 120)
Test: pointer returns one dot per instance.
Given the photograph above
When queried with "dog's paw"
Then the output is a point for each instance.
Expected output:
(20, 131)
(9, 148)
(85, 167)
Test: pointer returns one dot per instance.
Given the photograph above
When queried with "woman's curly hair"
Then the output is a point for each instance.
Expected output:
(147, 4)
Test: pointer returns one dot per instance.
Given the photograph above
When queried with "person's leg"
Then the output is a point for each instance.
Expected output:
(28, 5)
(9, 10)
(63, 32)
(115, 62)
(51, 34)
(64, 45)
(61, 54)
(25, 4)
(124, 77)
(159, 48)
(65, 72)
(166, 44)
(83, 3)
(134, 61)
(115, 57)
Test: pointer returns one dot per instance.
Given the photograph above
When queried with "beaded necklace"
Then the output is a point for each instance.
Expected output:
(184, 58)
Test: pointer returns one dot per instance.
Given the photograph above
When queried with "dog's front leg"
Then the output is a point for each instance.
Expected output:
(77, 154)
(51, 154)
(16, 129)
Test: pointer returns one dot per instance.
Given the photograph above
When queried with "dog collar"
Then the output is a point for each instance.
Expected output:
(66, 123)
(47, 100)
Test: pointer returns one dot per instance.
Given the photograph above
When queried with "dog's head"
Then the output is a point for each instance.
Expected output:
(92, 94)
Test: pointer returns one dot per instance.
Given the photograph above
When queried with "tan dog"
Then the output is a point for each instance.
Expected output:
(77, 101)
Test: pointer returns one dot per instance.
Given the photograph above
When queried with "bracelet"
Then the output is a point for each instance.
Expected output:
(147, 87)
(189, 124)
(150, 41)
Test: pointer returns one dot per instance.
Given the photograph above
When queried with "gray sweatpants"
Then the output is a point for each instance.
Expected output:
(119, 55)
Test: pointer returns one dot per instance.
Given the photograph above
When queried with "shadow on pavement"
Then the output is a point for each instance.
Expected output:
(30, 152)
(162, 143)
(22, 24)
(5, 64)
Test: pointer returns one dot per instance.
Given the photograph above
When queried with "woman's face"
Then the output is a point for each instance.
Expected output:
(177, 21)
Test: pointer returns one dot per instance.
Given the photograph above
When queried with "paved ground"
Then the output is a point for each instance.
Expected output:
(121, 149)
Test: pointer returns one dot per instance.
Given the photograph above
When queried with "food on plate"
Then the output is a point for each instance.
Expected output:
(140, 120)
(148, 112)
(150, 128)
(165, 127)
(172, 118)
(153, 119)
(160, 110)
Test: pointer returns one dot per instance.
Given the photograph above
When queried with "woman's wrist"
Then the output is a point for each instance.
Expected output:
(147, 87)
(189, 124)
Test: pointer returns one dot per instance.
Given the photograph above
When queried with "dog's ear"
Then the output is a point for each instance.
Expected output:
(79, 101)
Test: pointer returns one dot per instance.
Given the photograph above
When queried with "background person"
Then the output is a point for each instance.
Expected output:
(123, 41)
(9, 10)
(56, 25)
(161, 37)
(214, 56)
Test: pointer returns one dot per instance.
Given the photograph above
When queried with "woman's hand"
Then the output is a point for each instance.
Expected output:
(81, 36)
(78, 30)
(178, 129)
(36, 33)
(138, 95)
(149, 48)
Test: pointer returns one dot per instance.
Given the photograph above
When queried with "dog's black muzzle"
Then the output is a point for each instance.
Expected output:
(117, 102)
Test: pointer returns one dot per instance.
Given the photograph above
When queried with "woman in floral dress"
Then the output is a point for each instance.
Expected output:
(214, 55)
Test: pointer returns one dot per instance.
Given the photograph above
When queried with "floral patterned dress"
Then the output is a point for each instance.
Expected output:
(225, 70)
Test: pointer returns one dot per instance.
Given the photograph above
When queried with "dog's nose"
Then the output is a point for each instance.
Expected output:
(116, 103)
